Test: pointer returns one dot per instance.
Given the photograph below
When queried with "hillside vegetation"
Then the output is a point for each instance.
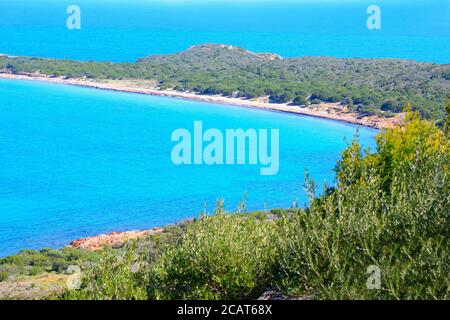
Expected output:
(367, 86)
(389, 211)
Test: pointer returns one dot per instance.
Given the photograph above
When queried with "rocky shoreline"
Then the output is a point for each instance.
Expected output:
(332, 111)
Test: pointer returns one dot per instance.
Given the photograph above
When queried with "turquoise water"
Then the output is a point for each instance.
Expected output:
(130, 29)
(78, 162)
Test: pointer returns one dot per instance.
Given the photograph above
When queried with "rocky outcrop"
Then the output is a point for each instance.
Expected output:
(112, 239)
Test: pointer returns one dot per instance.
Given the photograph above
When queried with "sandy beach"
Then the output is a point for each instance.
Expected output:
(333, 111)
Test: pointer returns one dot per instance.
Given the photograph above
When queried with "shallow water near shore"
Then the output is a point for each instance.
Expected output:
(77, 162)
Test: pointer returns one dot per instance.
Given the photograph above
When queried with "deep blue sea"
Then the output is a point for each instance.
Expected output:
(76, 162)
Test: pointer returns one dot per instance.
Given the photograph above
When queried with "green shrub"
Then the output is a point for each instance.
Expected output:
(117, 275)
(447, 119)
(300, 101)
(35, 270)
(4, 276)
(60, 265)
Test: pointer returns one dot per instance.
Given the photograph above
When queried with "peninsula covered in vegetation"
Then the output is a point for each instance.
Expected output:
(341, 89)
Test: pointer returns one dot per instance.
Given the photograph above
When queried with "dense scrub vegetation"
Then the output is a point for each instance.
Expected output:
(33, 262)
(388, 210)
(367, 86)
